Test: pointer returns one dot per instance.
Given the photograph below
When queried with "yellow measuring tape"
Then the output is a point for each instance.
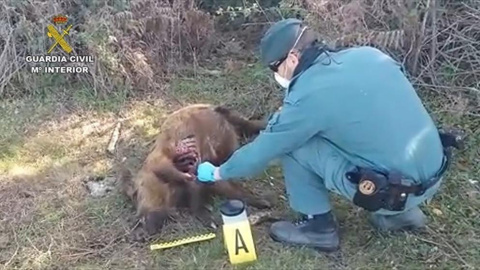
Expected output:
(183, 241)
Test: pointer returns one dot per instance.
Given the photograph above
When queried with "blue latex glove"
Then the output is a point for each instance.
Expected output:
(207, 172)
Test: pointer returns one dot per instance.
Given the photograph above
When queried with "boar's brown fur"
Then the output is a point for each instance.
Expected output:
(160, 187)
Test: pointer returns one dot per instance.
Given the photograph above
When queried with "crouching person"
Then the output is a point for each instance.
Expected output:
(350, 123)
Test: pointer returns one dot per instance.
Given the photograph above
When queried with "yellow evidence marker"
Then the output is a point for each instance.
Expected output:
(183, 241)
(237, 234)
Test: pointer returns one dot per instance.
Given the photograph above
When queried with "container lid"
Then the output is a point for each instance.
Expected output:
(232, 208)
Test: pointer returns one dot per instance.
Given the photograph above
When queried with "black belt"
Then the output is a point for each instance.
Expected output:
(396, 178)
(377, 190)
(449, 140)
(419, 189)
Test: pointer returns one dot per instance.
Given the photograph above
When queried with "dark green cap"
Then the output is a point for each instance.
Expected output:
(278, 40)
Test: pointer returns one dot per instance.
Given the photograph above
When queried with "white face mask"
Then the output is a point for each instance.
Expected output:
(282, 81)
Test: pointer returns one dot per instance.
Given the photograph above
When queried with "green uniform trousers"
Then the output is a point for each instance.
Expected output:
(316, 168)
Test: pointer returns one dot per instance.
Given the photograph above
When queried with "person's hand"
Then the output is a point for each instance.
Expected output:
(207, 172)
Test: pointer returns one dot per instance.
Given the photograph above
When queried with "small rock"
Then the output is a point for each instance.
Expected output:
(213, 225)
(112, 39)
(437, 212)
(98, 189)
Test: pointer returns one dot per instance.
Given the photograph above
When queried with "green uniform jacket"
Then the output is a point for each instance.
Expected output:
(358, 100)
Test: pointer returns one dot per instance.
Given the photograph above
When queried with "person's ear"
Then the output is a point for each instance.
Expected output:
(295, 57)
(291, 63)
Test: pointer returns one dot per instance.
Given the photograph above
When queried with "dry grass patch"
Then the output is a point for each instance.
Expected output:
(47, 215)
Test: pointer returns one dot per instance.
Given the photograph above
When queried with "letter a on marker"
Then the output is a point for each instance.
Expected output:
(238, 239)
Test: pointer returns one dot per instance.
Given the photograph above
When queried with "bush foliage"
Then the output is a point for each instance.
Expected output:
(138, 44)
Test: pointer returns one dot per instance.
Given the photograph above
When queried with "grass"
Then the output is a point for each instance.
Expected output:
(49, 221)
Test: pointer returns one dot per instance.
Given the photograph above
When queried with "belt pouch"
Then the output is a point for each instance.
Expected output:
(372, 190)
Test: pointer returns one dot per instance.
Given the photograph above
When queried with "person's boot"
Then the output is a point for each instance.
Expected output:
(412, 219)
(319, 232)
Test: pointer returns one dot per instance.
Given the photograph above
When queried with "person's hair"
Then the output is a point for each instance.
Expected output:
(311, 38)
(308, 39)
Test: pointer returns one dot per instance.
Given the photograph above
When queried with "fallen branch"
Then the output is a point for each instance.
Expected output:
(433, 10)
(114, 139)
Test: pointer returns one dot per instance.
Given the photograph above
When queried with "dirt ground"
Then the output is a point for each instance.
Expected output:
(49, 150)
